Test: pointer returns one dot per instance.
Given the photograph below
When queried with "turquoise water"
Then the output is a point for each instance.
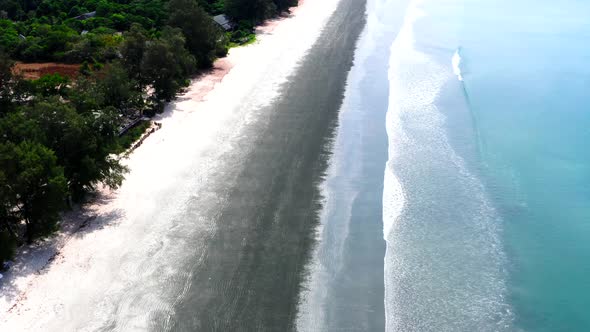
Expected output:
(488, 124)
(531, 105)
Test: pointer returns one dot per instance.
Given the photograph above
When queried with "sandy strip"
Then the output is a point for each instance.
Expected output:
(53, 281)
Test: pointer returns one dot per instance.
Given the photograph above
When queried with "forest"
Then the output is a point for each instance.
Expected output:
(59, 135)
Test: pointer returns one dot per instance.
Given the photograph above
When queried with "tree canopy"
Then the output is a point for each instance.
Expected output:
(32, 186)
(204, 39)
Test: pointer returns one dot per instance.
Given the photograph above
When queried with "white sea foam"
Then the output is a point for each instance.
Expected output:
(400, 97)
(129, 270)
(456, 63)
(401, 51)
(338, 189)
(441, 273)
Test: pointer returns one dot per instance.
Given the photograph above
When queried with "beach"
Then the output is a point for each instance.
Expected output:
(365, 165)
(215, 219)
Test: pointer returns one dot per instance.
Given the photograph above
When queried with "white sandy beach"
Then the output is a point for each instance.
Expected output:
(110, 261)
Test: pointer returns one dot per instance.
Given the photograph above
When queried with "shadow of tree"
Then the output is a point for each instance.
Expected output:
(36, 259)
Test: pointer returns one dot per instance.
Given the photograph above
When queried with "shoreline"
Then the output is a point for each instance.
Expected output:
(37, 257)
(252, 272)
(34, 259)
(37, 261)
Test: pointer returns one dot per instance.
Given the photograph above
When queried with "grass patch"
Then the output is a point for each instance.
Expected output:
(243, 41)
(131, 136)
(250, 39)
(243, 34)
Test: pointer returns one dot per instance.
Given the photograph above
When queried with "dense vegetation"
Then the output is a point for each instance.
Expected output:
(53, 30)
(58, 135)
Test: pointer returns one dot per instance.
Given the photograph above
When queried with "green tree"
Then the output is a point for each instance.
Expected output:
(285, 4)
(33, 186)
(105, 8)
(8, 35)
(203, 36)
(132, 51)
(120, 21)
(117, 88)
(12, 8)
(85, 95)
(32, 50)
(166, 64)
(13, 89)
(16, 127)
(6, 83)
(8, 220)
(49, 42)
(255, 10)
(82, 143)
(50, 85)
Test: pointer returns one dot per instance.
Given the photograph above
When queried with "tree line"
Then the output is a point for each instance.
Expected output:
(52, 30)
(59, 136)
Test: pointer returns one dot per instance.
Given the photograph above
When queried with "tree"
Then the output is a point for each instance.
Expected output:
(117, 88)
(16, 127)
(81, 142)
(176, 41)
(50, 85)
(6, 83)
(120, 21)
(85, 95)
(8, 234)
(13, 89)
(166, 64)
(255, 10)
(132, 51)
(33, 186)
(8, 35)
(203, 36)
(285, 4)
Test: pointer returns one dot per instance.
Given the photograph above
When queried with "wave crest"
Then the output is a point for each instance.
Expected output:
(456, 63)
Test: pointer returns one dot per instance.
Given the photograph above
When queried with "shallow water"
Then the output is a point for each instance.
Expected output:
(487, 118)
(345, 286)
(485, 191)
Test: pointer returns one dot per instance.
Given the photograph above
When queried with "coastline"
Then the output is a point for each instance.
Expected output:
(256, 260)
(198, 115)
(32, 260)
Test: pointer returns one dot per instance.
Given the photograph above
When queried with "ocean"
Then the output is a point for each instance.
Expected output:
(485, 190)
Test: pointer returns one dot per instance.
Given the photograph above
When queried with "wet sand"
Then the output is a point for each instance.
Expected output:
(251, 277)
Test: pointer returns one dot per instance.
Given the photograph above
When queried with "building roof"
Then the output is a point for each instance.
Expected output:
(223, 21)
(86, 16)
